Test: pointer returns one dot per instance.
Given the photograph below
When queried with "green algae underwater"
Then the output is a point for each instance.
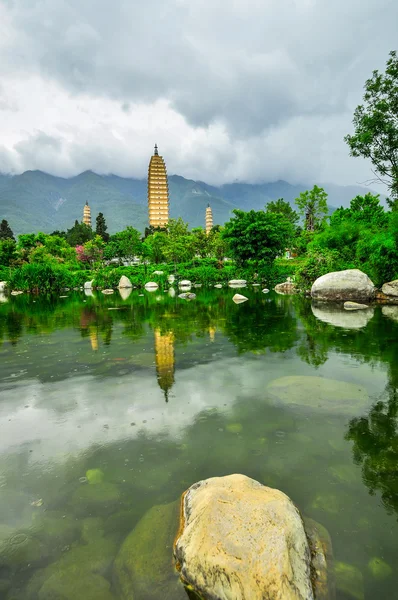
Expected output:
(111, 407)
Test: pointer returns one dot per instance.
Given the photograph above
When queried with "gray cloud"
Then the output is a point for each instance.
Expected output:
(287, 74)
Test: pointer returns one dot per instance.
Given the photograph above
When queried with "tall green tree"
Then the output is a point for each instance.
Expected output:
(256, 236)
(376, 125)
(7, 252)
(6, 231)
(281, 207)
(101, 227)
(79, 234)
(312, 205)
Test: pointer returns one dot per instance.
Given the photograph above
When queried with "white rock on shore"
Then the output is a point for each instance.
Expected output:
(351, 284)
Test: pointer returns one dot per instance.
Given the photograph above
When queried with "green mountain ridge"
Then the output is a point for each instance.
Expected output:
(37, 201)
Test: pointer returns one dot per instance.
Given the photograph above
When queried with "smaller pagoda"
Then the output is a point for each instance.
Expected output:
(87, 215)
(209, 219)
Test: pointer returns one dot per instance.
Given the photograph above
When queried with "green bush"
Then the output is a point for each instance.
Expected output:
(41, 277)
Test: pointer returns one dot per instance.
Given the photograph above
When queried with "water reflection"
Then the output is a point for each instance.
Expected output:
(84, 382)
(375, 438)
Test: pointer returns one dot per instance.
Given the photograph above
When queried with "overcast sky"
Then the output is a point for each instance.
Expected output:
(249, 90)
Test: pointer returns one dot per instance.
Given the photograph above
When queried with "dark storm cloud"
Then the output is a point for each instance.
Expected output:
(249, 63)
(280, 69)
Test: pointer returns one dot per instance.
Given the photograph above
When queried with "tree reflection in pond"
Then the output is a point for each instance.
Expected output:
(375, 447)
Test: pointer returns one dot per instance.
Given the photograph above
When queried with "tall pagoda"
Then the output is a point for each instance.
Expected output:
(209, 219)
(158, 191)
(87, 215)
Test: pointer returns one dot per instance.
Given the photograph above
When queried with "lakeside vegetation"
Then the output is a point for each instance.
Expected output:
(251, 245)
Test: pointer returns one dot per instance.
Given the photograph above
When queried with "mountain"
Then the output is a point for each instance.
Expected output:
(37, 201)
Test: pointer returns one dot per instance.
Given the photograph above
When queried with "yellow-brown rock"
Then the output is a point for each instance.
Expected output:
(241, 540)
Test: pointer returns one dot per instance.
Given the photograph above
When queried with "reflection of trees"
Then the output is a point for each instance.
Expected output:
(255, 327)
(375, 447)
(373, 345)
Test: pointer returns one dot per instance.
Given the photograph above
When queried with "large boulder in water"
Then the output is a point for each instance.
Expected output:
(143, 568)
(389, 289)
(125, 282)
(242, 540)
(351, 284)
(3, 285)
(305, 392)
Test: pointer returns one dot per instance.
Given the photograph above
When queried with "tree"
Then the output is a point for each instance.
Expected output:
(281, 207)
(125, 245)
(363, 209)
(101, 227)
(79, 234)
(312, 205)
(6, 231)
(91, 252)
(257, 236)
(376, 125)
(7, 252)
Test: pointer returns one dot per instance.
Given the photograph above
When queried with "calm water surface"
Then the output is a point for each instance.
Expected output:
(111, 406)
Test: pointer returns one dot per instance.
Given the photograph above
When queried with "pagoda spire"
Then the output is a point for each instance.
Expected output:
(156, 153)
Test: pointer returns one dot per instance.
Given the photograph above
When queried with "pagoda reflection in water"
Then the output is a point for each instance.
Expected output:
(164, 357)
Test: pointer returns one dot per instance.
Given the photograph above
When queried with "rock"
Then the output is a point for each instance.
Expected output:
(81, 566)
(124, 282)
(237, 283)
(285, 288)
(255, 284)
(339, 317)
(16, 292)
(88, 292)
(351, 284)
(172, 292)
(101, 497)
(107, 292)
(171, 279)
(379, 568)
(238, 298)
(242, 540)
(73, 585)
(329, 395)
(158, 272)
(349, 581)
(20, 548)
(391, 312)
(143, 568)
(3, 297)
(55, 529)
(187, 296)
(185, 283)
(94, 476)
(218, 285)
(389, 289)
(125, 293)
(354, 306)
(197, 285)
(151, 284)
(3, 286)
(92, 529)
(265, 291)
(321, 559)
(88, 285)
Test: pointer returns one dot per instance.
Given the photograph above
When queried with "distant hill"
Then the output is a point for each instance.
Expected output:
(37, 201)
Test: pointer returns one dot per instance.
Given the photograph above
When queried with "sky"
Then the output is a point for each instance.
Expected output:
(238, 90)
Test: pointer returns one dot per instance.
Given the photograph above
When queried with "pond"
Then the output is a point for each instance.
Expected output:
(112, 407)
